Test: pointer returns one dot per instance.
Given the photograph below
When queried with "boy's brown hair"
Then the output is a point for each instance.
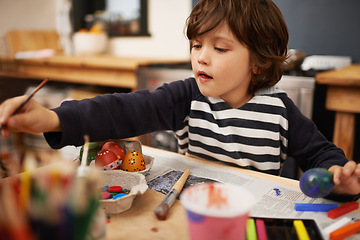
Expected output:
(258, 24)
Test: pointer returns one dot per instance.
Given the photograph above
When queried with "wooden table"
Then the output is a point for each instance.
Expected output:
(140, 222)
(103, 70)
(343, 96)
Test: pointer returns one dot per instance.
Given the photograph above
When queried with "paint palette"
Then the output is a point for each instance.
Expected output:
(277, 228)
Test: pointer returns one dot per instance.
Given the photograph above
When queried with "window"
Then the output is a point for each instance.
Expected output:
(116, 17)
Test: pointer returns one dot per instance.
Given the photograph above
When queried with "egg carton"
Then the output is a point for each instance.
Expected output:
(136, 183)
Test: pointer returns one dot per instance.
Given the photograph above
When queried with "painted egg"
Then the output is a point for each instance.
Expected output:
(94, 148)
(107, 160)
(316, 182)
(133, 162)
(115, 148)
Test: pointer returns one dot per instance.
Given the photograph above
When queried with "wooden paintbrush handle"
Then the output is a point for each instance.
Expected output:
(181, 181)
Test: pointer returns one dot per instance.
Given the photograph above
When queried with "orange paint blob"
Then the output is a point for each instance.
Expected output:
(216, 198)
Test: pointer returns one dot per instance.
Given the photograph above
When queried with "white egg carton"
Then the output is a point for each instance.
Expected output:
(136, 183)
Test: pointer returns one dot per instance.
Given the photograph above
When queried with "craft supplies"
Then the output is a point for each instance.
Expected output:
(83, 168)
(115, 148)
(107, 160)
(162, 210)
(110, 157)
(105, 195)
(115, 189)
(133, 161)
(260, 229)
(251, 229)
(316, 182)
(342, 210)
(315, 207)
(113, 192)
(278, 228)
(301, 230)
(10, 158)
(336, 225)
(119, 195)
(133, 185)
(345, 231)
(94, 148)
(50, 202)
(217, 210)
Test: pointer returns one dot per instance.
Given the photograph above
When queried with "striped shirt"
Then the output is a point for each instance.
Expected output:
(254, 135)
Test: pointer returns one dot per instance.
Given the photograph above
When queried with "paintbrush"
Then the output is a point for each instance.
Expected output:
(162, 210)
(83, 169)
(23, 103)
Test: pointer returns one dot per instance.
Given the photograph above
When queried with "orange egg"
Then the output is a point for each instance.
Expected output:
(133, 161)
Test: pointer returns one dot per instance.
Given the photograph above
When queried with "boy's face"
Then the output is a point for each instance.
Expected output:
(222, 66)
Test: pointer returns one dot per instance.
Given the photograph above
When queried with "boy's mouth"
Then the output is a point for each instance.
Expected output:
(203, 76)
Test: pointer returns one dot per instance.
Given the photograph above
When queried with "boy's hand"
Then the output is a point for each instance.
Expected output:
(32, 118)
(347, 178)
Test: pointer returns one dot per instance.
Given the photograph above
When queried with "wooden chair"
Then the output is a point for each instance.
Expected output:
(32, 40)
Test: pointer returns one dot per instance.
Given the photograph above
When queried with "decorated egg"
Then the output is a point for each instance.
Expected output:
(107, 160)
(94, 148)
(133, 162)
(316, 182)
(115, 148)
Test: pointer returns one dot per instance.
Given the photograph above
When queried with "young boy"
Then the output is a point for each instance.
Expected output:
(230, 111)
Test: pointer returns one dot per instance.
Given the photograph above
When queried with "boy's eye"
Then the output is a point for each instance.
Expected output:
(196, 46)
(221, 50)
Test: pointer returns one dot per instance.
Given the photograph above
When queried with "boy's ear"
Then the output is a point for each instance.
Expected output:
(255, 69)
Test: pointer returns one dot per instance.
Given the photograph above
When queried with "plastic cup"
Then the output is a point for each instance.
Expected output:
(217, 210)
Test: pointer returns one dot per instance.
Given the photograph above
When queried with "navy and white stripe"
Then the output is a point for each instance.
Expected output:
(254, 135)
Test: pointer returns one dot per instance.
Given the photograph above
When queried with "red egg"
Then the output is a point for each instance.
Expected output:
(115, 148)
(104, 158)
(133, 162)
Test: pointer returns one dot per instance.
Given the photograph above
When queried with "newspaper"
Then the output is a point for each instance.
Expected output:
(274, 200)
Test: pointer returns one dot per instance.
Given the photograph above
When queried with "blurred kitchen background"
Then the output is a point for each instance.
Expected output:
(324, 34)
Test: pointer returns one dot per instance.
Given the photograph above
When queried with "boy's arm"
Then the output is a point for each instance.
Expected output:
(307, 144)
(311, 149)
(123, 115)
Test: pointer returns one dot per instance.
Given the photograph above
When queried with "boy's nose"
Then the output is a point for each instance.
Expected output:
(203, 57)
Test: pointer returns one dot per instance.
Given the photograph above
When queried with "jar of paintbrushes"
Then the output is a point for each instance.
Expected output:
(51, 202)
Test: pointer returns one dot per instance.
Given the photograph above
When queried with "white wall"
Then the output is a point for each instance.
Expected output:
(166, 24)
(25, 14)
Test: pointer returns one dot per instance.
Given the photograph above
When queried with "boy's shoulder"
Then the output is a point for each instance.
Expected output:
(273, 93)
(274, 90)
(274, 96)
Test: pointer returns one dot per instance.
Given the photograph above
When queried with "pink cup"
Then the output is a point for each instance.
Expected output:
(217, 211)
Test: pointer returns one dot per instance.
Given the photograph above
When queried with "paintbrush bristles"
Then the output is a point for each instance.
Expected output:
(162, 211)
